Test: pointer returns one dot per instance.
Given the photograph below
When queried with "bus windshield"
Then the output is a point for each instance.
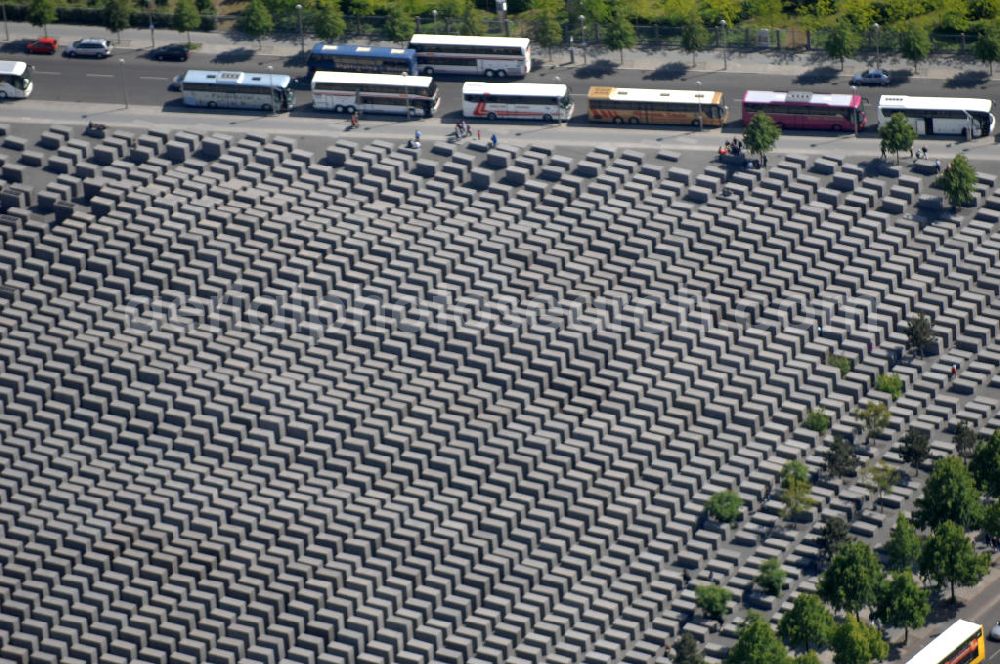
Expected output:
(566, 101)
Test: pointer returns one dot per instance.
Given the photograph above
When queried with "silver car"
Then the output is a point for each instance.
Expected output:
(88, 48)
(995, 632)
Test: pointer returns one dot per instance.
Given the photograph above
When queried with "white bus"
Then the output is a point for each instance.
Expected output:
(517, 101)
(15, 80)
(236, 89)
(968, 117)
(347, 92)
(492, 57)
(961, 643)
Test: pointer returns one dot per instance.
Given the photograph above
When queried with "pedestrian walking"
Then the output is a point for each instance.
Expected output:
(493, 141)
(354, 120)
(954, 370)
(479, 135)
(924, 151)
(937, 165)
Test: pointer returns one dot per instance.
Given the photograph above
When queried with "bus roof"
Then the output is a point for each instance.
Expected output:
(934, 652)
(528, 89)
(384, 79)
(236, 78)
(12, 67)
(935, 103)
(813, 98)
(355, 49)
(650, 94)
(446, 40)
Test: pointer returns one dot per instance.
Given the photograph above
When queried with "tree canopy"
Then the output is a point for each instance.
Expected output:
(712, 600)
(852, 580)
(841, 461)
(116, 14)
(817, 420)
(958, 181)
(903, 603)
(855, 642)
(328, 22)
(950, 494)
(546, 26)
(949, 557)
(987, 45)
(619, 31)
(186, 17)
(874, 418)
(842, 41)
(965, 439)
(915, 43)
(687, 650)
(808, 624)
(725, 506)
(40, 13)
(694, 36)
(399, 22)
(896, 135)
(880, 477)
(903, 548)
(834, 534)
(761, 134)
(985, 465)
(916, 447)
(756, 643)
(771, 577)
(795, 488)
(919, 332)
(256, 21)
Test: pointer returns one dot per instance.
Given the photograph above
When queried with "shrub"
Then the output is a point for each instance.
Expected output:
(817, 420)
(890, 383)
(844, 364)
(725, 506)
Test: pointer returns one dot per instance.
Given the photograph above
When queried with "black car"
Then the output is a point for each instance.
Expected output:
(177, 52)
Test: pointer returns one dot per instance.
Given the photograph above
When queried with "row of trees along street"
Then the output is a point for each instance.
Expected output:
(862, 593)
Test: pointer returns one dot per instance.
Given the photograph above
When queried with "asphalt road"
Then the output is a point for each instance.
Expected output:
(145, 81)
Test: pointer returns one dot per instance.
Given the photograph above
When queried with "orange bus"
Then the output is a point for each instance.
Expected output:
(648, 106)
(961, 643)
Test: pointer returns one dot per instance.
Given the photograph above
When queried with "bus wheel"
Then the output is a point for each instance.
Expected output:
(491, 116)
(267, 108)
(339, 108)
(489, 73)
(428, 71)
(633, 120)
(212, 104)
(547, 117)
(350, 109)
(618, 120)
(3, 96)
(501, 73)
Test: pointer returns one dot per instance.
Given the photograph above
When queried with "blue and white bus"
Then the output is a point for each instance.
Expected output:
(236, 89)
(365, 59)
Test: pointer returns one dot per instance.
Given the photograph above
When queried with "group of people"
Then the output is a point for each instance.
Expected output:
(734, 147)
(462, 129)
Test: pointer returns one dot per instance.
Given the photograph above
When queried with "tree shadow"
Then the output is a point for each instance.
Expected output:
(817, 75)
(234, 55)
(297, 60)
(968, 79)
(898, 77)
(597, 69)
(16, 46)
(671, 71)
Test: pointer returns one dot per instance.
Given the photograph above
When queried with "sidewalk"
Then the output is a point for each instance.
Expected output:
(803, 67)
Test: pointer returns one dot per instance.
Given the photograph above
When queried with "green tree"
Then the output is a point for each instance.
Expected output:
(756, 643)
(965, 439)
(950, 557)
(833, 536)
(546, 26)
(725, 506)
(619, 32)
(880, 477)
(984, 9)
(808, 658)
(399, 24)
(903, 548)
(328, 22)
(771, 577)
(986, 465)
(958, 181)
(765, 12)
(991, 520)
(842, 41)
(852, 580)
(714, 11)
(919, 329)
(694, 36)
(116, 15)
(890, 383)
(987, 45)
(795, 489)
(859, 13)
(950, 494)
(902, 603)
(687, 650)
(841, 461)
(855, 642)
(470, 22)
(186, 17)
(915, 43)
(817, 420)
(205, 7)
(896, 135)
(808, 624)
(41, 13)
(916, 447)
(712, 600)
(840, 362)
(256, 21)
(761, 134)
(874, 418)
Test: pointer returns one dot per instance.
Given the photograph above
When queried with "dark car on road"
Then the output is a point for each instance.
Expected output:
(42, 46)
(871, 77)
(175, 52)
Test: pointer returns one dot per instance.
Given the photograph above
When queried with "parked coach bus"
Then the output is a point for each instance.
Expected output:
(15, 80)
(492, 57)
(641, 105)
(962, 643)
(960, 116)
(236, 89)
(347, 92)
(374, 59)
(806, 110)
(517, 101)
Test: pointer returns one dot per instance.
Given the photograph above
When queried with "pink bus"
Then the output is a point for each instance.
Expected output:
(806, 110)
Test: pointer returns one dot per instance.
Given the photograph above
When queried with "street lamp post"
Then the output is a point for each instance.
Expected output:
(583, 37)
(406, 93)
(434, 13)
(152, 28)
(725, 49)
(302, 34)
(854, 91)
(698, 96)
(6, 28)
(878, 58)
(121, 63)
(270, 86)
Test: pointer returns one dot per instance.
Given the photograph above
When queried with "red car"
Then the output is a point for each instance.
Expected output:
(42, 46)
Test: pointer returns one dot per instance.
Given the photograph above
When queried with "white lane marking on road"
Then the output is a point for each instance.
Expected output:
(101, 75)
(154, 78)
(50, 73)
(994, 656)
